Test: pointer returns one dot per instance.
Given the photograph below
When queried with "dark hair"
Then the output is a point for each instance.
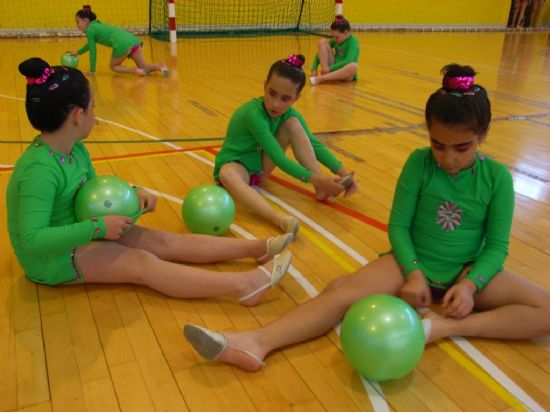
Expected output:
(86, 13)
(460, 102)
(340, 24)
(52, 92)
(290, 68)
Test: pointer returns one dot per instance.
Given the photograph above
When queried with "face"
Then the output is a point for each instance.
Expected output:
(453, 148)
(82, 24)
(339, 37)
(279, 94)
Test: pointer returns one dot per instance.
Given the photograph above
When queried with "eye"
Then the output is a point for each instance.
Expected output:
(462, 149)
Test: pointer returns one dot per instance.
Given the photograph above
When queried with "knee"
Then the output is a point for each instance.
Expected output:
(339, 288)
(353, 68)
(161, 240)
(225, 175)
(292, 128)
(232, 173)
(143, 260)
(322, 42)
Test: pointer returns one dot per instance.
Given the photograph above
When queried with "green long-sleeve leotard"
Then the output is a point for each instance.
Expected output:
(114, 37)
(251, 132)
(441, 222)
(344, 53)
(41, 220)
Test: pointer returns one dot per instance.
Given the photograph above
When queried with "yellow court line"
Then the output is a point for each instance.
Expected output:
(481, 375)
(462, 360)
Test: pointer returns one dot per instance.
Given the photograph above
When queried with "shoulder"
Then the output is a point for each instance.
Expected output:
(254, 108)
(293, 112)
(35, 161)
(498, 171)
(421, 155)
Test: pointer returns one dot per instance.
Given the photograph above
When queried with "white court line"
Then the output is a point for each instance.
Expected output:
(373, 389)
(497, 374)
(469, 349)
(337, 242)
(482, 361)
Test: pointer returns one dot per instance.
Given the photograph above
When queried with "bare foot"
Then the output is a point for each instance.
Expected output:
(141, 72)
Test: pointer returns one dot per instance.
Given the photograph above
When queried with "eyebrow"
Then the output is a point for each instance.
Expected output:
(454, 145)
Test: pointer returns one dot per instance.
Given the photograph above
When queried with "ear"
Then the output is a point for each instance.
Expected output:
(483, 137)
(76, 116)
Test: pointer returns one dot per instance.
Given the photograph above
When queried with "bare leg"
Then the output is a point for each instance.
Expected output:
(192, 248)
(111, 262)
(523, 6)
(140, 62)
(343, 74)
(316, 316)
(117, 66)
(326, 57)
(235, 179)
(535, 13)
(509, 308)
(292, 133)
(515, 12)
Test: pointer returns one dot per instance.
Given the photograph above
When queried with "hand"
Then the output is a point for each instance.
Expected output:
(349, 188)
(116, 226)
(458, 302)
(313, 73)
(146, 200)
(72, 53)
(89, 73)
(325, 186)
(416, 290)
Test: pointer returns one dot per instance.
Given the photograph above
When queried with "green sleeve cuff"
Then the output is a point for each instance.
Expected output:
(479, 280)
(99, 228)
(409, 267)
(336, 166)
(305, 178)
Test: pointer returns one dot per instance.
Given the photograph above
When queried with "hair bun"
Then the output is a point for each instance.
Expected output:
(33, 68)
(457, 77)
(295, 60)
(87, 7)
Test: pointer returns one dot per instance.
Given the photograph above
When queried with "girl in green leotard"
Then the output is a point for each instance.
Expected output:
(124, 45)
(257, 137)
(54, 249)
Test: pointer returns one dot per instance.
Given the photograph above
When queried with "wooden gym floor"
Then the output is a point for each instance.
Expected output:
(108, 348)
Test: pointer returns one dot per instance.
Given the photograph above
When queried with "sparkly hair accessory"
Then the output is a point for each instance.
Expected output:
(458, 83)
(42, 79)
(340, 19)
(294, 61)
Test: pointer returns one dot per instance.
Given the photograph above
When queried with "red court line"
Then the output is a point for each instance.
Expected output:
(161, 152)
(137, 155)
(346, 210)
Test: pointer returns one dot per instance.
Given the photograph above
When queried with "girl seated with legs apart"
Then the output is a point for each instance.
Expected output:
(54, 249)
(258, 135)
(449, 230)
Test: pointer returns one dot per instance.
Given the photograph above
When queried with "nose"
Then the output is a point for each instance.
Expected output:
(447, 160)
